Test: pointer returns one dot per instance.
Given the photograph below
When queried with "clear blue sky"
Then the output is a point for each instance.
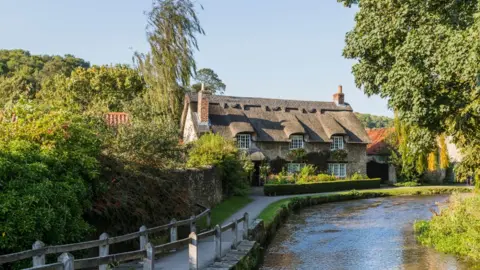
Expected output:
(267, 48)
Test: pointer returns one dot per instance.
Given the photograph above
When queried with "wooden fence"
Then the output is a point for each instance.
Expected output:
(147, 251)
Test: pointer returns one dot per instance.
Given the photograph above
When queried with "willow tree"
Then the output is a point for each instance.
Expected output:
(172, 32)
(424, 56)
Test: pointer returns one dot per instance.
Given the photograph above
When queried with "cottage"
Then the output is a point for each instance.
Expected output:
(269, 129)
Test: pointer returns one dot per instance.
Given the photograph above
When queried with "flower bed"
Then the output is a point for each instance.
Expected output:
(338, 185)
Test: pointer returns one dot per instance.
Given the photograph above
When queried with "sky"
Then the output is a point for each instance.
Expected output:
(268, 48)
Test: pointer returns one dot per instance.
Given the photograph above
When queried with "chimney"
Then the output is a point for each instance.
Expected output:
(203, 105)
(339, 97)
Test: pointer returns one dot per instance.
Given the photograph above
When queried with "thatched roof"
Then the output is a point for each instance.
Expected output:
(278, 119)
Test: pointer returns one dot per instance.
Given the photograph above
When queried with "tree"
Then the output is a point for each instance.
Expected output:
(374, 121)
(424, 56)
(210, 80)
(100, 88)
(22, 73)
(169, 66)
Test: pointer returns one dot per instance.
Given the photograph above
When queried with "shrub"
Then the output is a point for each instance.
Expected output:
(358, 176)
(323, 177)
(321, 187)
(306, 174)
(455, 230)
(407, 184)
(213, 149)
(48, 176)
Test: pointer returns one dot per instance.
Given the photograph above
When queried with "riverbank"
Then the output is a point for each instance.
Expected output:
(455, 230)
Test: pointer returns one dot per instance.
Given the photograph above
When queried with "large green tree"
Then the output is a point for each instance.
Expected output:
(169, 66)
(374, 121)
(22, 73)
(211, 81)
(99, 88)
(424, 56)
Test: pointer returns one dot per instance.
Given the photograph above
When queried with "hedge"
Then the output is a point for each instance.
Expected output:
(321, 187)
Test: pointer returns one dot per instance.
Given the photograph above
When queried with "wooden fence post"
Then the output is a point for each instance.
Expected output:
(149, 260)
(173, 230)
(218, 243)
(38, 260)
(143, 237)
(103, 251)
(245, 226)
(193, 252)
(192, 224)
(209, 218)
(67, 260)
(235, 234)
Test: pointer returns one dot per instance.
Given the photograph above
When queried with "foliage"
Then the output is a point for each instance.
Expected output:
(99, 88)
(423, 56)
(297, 155)
(151, 143)
(278, 165)
(455, 230)
(444, 159)
(432, 161)
(316, 187)
(305, 173)
(210, 80)
(374, 121)
(23, 74)
(359, 176)
(48, 175)
(167, 69)
(318, 159)
(264, 170)
(407, 184)
(339, 155)
(213, 149)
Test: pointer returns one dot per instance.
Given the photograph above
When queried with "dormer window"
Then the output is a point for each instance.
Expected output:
(243, 141)
(337, 143)
(296, 142)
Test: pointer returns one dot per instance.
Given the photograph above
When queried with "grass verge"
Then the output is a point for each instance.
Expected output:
(225, 210)
(270, 212)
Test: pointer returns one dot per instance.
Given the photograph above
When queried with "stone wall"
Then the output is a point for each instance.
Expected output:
(357, 158)
(357, 153)
(204, 184)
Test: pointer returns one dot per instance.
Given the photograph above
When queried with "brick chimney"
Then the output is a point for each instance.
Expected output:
(339, 97)
(203, 105)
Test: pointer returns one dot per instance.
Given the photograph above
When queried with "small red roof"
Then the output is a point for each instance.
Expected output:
(378, 138)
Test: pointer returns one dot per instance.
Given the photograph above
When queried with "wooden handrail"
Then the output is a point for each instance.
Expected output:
(102, 261)
(94, 243)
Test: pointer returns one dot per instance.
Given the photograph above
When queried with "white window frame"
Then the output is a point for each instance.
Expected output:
(244, 141)
(296, 142)
(338, 170)
(294, 167)
(337, 143)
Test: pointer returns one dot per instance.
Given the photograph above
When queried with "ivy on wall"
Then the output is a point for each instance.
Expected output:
(339, 155)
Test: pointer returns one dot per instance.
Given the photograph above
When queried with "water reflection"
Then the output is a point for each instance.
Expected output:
(364, 234)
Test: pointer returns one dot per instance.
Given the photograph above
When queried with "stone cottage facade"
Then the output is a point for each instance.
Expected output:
(269, 129)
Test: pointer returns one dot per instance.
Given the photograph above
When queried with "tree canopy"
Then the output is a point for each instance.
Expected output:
(210, 80)
(424, 56)
(23, 73)
(374, 121)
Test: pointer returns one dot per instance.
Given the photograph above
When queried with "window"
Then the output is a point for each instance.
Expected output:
(338, 169)
(295, 167)
(243, 141)
(296, 142)
(337, 143)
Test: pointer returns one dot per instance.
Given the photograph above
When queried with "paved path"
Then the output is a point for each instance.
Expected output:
(206, 249)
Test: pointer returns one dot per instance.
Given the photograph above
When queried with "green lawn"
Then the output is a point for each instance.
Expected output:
(225, 209)
(269, 213)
